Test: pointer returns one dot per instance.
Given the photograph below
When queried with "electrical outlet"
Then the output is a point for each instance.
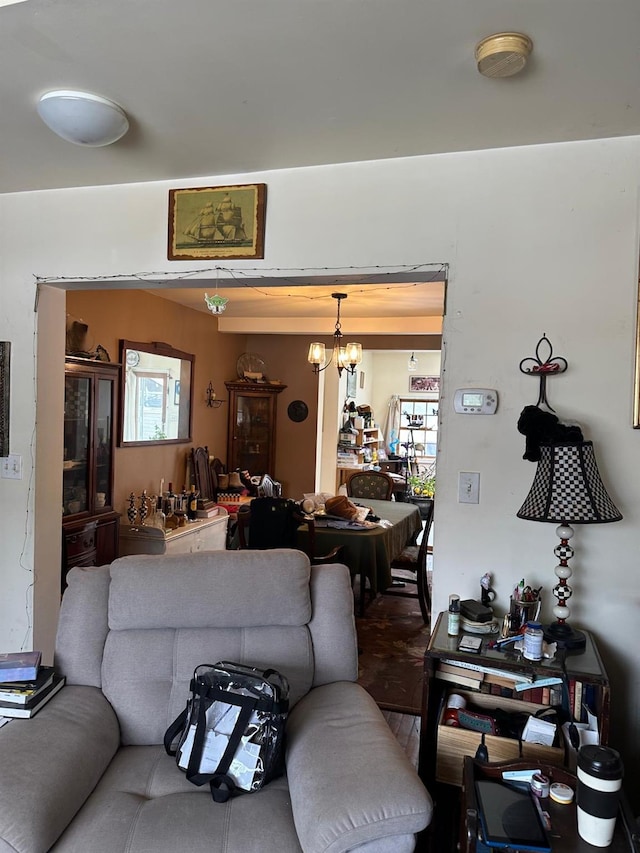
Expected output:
(12, 467)
(468, 487)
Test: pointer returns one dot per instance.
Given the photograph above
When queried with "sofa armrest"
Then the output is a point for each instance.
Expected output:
(349, 779)
(50, 764)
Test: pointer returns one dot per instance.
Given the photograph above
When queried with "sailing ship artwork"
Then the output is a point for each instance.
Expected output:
(217, 222)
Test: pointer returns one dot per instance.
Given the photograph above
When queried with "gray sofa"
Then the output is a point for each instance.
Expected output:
(89, 774)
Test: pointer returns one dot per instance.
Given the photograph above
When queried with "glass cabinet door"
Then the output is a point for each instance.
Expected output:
(253, 433)
(104, 403)
(75, 467)
(89, 439)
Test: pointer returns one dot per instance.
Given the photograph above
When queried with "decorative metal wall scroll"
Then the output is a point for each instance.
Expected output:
(541, 367)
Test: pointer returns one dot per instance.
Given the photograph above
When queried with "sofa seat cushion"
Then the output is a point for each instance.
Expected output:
(144, 804)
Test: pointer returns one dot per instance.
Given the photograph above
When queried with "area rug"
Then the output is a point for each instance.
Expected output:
(392, 639)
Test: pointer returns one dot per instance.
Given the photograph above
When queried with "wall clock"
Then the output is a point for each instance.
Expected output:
(133, 358)
(298, 411)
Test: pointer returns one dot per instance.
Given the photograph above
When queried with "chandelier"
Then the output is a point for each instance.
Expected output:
(344, 357)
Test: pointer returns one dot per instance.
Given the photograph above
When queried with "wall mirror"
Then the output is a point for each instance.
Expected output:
(156, 394)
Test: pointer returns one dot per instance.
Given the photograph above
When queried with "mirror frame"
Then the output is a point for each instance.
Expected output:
(154, 348)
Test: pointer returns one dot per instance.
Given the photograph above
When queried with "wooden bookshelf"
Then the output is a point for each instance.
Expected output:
(498, 674)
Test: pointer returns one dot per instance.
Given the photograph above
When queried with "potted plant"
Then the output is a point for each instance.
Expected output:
(422, 487)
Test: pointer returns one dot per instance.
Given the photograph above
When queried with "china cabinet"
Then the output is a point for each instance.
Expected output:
(251, 439)
(89, 522)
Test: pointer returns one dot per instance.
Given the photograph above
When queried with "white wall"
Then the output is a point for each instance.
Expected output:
(540, 239)
(391, 376)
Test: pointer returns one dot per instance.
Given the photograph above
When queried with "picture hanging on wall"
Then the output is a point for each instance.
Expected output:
(5, 358)
(419, 384)
(208, 223)
(352, 384)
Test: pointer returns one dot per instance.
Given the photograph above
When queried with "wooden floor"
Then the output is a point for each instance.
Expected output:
(406, 728)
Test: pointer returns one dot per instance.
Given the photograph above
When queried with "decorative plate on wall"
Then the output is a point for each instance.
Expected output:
(298, 411)
(250, 365)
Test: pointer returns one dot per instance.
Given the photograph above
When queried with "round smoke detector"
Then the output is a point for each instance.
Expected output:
(503, 54)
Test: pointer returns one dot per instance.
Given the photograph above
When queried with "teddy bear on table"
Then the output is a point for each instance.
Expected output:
(540, 427)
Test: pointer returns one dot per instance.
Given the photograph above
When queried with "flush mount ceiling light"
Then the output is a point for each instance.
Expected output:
(83, 118)
(503, 54)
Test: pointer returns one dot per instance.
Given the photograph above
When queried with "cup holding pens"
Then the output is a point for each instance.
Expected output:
(523, 610)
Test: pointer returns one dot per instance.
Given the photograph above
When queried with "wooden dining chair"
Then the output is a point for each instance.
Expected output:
(370, 485)
(414, 559)
(271, 522)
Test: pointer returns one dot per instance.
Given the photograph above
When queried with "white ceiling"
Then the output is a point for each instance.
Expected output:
(215, 88)
(390, 308)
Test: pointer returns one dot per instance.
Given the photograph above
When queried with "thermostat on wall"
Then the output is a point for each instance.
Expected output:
(475, 401)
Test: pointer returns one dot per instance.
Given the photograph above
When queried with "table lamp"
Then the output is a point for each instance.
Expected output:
(567, 490)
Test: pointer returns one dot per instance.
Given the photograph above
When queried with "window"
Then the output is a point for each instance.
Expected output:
(419, 431)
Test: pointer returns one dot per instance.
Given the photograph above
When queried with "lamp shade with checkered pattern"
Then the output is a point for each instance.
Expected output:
(567, 488)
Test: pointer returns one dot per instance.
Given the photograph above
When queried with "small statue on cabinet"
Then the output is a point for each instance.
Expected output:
(487, 593)
(132, 511)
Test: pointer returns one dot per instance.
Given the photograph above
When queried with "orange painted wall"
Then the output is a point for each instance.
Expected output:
(139, 316)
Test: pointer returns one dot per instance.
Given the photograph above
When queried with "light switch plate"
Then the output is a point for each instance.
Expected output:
(468, 487)
(12, 467)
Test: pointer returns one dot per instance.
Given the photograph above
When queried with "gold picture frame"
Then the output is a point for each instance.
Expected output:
(211, 223)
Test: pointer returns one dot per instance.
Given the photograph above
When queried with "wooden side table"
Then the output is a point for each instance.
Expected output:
(585, 665)
(563, 835)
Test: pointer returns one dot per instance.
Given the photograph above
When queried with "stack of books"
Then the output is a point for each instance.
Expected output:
(26, 685)
(498, 682)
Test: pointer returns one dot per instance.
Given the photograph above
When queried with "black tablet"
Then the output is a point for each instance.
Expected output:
(509, 818)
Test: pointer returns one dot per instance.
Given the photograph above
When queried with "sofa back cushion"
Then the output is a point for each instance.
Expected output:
(167, 616)
(138, 628)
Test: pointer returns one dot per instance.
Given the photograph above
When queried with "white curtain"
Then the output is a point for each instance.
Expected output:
(391, 430)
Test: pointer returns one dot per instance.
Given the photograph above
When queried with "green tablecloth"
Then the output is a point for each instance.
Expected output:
(370, 552)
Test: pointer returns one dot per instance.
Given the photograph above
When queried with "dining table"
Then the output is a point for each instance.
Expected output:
(368, 551)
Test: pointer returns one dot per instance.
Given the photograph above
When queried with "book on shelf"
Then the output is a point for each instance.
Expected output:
(19, 666)
(478, 667)
(20, 692)
(532, 694)
(572, 694)
(500, 680)
(464, 678)
(10, 709)
(540, 682)
(577, 703)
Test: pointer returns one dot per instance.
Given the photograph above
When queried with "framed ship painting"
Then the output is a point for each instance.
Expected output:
(217, 222)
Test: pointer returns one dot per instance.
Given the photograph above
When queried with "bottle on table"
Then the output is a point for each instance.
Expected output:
(453, 622)
(192, 508)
